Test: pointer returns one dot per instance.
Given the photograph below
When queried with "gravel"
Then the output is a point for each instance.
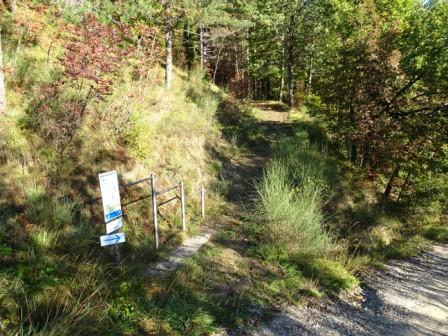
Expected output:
(406, 298)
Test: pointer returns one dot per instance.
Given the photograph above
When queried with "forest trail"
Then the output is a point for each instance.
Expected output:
(407, 298)
(271, 119)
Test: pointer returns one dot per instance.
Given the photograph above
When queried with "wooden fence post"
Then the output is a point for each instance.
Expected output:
(154, 209)
(182, 206)
(202, 202)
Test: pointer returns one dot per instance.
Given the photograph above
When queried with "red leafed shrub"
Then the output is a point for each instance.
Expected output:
(90, 63)
(93, 55)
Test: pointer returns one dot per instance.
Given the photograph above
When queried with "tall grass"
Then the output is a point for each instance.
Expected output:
(289, 200)
(289, 208)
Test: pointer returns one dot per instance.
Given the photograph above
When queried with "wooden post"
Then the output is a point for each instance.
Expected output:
(182, 205)
(154, 209)
(116, 252)
(202, 202)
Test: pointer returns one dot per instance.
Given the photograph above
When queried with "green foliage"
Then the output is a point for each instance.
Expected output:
(290, 196)
(328, 273)
(437, 233)
(405, 247)
(47, 212)
(291, 217)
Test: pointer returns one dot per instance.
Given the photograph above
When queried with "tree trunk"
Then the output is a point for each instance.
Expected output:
(169, 58)
(169, 46)
(248, 79)
(291, 36)
(404, 186)
(390, 183)
(2, 81)
(310, 68)
(290, 84)
(216, 65)
(268, 88)
(189, 48)
(353, 151)
(264, 88)
(255, 87)
(201, 46)
(353, 147)
(11, 5)
(282, 75)
(237, 62)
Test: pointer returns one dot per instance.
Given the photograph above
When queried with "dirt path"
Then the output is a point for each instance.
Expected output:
(407, 298)
(241, 172)
(272, 121)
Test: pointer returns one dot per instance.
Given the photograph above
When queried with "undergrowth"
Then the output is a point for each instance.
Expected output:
(290, 223)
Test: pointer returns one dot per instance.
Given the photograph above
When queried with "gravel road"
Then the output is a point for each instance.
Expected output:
(407, 298)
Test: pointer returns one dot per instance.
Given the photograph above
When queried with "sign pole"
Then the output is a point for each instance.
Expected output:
(182, 205)
(110, 194)
(117, 253)
(154, 209)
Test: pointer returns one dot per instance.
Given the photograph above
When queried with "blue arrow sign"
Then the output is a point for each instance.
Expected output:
(112, 239)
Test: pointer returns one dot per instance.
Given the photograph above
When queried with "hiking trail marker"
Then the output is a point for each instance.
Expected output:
(112, 239)
(114, 225)
(110, 194)
(112, 207)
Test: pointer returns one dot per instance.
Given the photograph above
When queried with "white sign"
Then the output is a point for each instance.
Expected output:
(110, 193)
(114, 225)
(112, 239)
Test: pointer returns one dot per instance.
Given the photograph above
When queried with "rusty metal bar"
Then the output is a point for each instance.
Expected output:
(167, 201)
(124, 186)
(159, 193)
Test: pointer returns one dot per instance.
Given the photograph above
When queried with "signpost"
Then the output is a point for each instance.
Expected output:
(115, 238)
(110, 194)
(114, 225)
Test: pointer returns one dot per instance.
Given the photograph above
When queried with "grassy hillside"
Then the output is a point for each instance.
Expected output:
(55, 139)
